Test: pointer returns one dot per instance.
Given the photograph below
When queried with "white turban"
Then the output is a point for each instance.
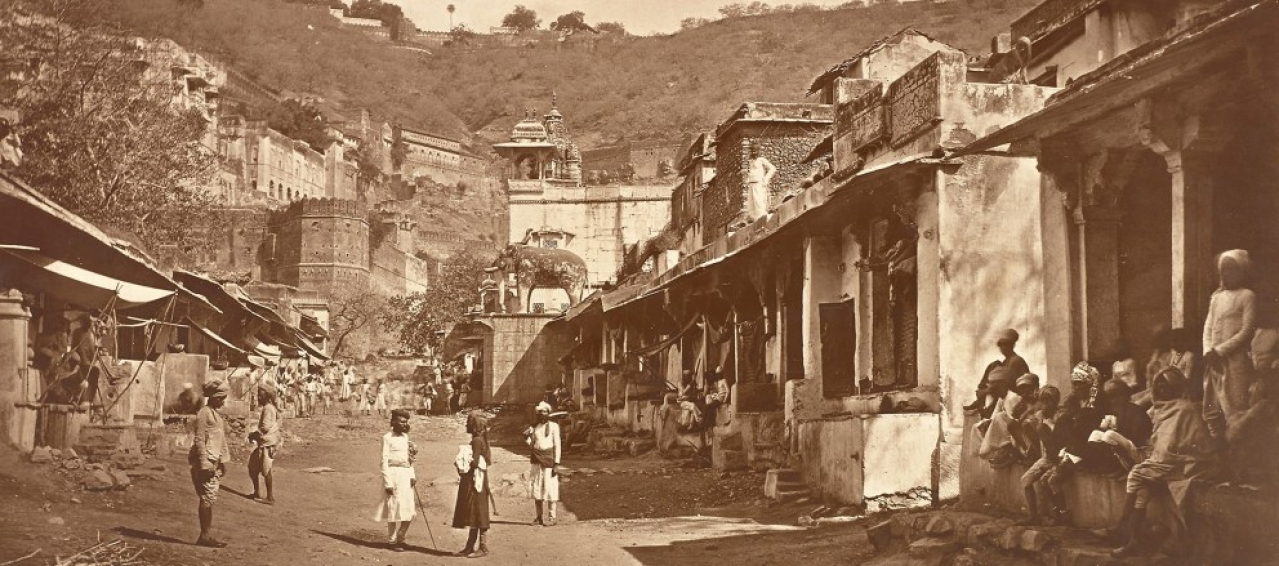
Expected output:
(544, 407)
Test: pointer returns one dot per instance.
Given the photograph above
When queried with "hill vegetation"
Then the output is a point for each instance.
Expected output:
(619, 87)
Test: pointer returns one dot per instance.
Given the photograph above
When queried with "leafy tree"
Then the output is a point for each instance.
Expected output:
(461, 35)
(422, 318)
(102, 131)
(692, 23)
(571, 23)
(386, 12)
(300, 121)
(614, 28)
(522, 19)
(355, 311)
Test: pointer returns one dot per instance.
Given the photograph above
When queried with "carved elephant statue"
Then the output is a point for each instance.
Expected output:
(543, 268)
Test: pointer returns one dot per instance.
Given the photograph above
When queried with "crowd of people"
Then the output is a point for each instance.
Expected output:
(1190, 414)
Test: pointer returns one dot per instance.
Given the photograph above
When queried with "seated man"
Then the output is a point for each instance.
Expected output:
(1113, 446)
(1182, 450)
(1011, 367)
(1075, 422)
(1041, 429)
(995, 435)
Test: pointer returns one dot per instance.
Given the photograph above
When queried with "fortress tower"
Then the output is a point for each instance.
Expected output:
(317, 245)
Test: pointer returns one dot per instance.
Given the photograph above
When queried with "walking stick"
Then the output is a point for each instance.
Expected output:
(493, 502)
(418, 498)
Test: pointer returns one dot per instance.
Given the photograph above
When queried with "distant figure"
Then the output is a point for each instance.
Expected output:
(759, 175)
(188, 400)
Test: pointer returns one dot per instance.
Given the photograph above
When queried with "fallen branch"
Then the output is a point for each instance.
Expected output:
(21, 559)
(112, 553)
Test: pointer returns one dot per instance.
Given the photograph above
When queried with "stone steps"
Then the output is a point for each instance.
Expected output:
(785, 485)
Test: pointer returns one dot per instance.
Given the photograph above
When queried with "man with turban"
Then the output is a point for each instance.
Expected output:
(1227, 340)
(1010, 368)
(208, 457)
(1075, 423)
(544, 481)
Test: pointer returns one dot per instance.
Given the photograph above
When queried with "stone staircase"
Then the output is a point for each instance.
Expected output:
(784, 485)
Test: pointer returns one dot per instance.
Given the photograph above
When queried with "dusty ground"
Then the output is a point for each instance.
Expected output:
(642, 510)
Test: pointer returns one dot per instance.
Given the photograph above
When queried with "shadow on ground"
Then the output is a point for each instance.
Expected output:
(757, 545)
(144, 535)
(379, 545)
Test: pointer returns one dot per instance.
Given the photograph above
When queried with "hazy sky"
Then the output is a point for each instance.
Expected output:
(639, 16)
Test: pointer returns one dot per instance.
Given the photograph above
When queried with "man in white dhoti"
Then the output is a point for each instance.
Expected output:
(544, 481)
(398, 506)
(759, 175)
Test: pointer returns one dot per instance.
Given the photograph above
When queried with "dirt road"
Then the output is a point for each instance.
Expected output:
(640, 511)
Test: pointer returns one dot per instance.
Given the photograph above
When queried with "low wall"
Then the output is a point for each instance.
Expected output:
(852, 459)
(1094, 501)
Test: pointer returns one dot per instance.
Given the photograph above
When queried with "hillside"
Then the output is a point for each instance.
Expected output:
(636, 88)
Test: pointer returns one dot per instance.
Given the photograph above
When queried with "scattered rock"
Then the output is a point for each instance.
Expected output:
(984, 534)
(73, 464)
(55, 453)
(99, 480)
(69, 454)
(880, 535)
(931, 550)
(144, 474)
(75, 500)
(41, 455)
(319, 470)
(1010, 539)
(121, 480)
(157, 466)
(56, 521)
(1035, 541)
(939, 526)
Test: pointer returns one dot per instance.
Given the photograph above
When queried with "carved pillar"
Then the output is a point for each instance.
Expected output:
(1192, 186)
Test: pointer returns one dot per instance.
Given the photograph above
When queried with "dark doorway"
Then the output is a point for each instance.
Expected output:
(1145, 254)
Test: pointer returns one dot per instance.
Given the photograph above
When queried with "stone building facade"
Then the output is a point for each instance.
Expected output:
(651, 159)
(785, 134)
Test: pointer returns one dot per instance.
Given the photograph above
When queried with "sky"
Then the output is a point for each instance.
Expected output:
(639, 16)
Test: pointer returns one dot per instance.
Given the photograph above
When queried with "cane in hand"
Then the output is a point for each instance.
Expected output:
(421, 509)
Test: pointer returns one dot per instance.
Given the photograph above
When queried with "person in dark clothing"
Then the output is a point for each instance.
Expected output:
(1012, 365)
(1113, 446)
(472, 507)
(1075, 423)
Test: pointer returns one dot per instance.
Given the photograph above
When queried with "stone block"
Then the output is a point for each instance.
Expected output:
(55, 453)
(939, 526)
(903, 523)
(69, 453)
(1010, 539)
(99, 480)
(1033, 540)
(881, 535)
(1084, 557)
(932, 551)
(121, 480)
(41, 455)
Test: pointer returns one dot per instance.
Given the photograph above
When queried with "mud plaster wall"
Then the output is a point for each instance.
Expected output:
(990, 272)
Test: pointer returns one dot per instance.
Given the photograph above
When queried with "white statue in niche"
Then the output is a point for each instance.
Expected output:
(759, 175)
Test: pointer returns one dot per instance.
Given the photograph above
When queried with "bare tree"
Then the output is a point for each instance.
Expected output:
(352, 312)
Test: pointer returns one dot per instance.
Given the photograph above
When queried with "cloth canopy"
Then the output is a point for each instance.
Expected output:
(72, 283)
(311, 349)
(211, 335)
(654, 349)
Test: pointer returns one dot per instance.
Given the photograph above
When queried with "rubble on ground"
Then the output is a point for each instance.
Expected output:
(116, 470)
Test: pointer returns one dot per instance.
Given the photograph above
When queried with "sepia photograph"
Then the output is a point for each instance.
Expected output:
(639, 282)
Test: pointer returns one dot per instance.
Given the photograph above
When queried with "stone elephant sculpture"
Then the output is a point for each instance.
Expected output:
(543, 268)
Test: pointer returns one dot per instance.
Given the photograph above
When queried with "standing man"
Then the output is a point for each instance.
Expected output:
(266, 440)
(759, 175)
(544, 481)
(208, 458)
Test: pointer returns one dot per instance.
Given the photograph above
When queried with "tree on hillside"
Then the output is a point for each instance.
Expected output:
(352, 312)
(422, 317)
(522, 19)
(300, 121)
(692, 23)
(385, 12)
(100, 130)
(572, 23)
(461, 35)
(742, 9)
(613, 28)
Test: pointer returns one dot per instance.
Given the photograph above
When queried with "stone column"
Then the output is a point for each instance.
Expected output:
(13, 362)
(1098, 228)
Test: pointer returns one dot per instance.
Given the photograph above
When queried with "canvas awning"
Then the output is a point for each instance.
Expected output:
(214, 293)
(211, 335)
(71, 283)
(32, 219)
(311, 349)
